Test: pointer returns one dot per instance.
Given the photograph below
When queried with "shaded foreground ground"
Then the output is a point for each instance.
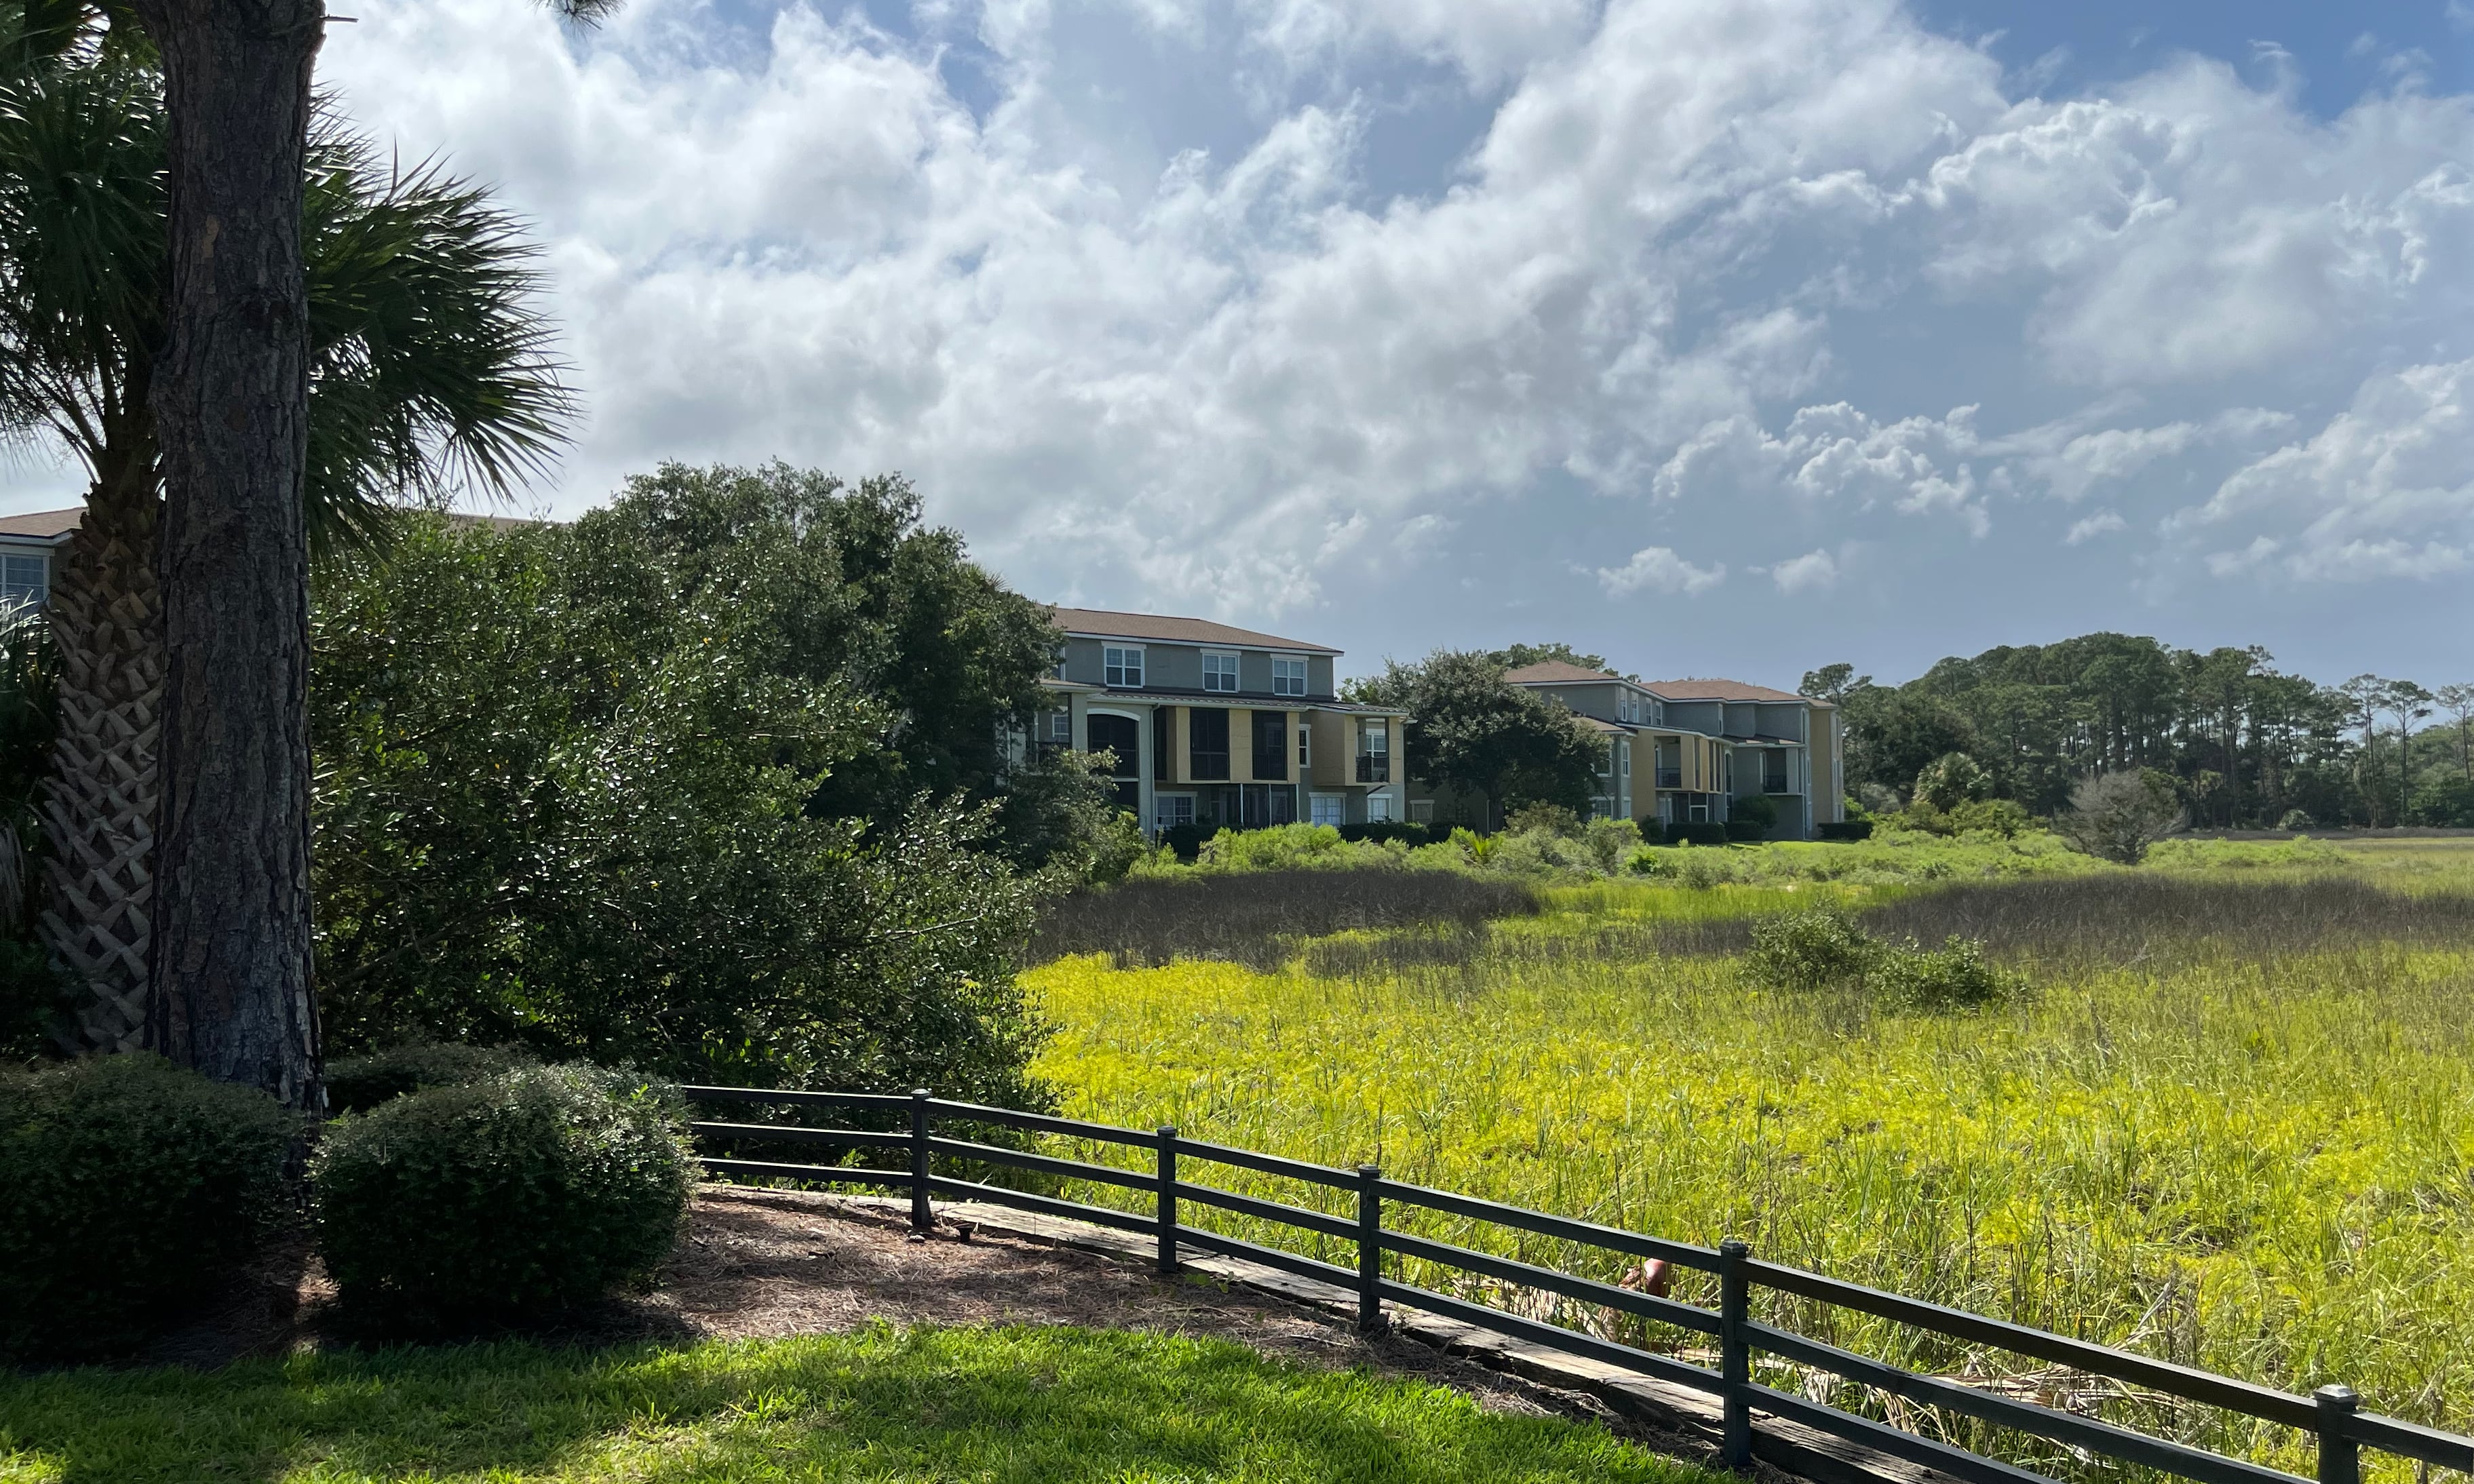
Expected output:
(796, 1340)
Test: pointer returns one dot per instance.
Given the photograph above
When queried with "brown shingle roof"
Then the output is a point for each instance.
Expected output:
(1104, 624)
(43, 524)
(1719, 690)
(1555, 672)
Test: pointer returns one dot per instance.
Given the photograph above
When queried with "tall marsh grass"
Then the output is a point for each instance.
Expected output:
(2234, 1131)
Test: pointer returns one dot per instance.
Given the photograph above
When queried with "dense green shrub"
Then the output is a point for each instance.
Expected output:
(1187, 839)
(1843, 829)
(1383, 831)
(1747, 830)
(1827, 948)
(356, 1085)
(535, 1189)
(128, 1189)
(1652, 831)
(1697, 832)
(1992, 816)
(1812, 950)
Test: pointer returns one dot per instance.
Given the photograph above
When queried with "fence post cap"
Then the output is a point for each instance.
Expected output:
(1370, 1171)
(2338, 1398)
(921, 1092)
(1735, 1247)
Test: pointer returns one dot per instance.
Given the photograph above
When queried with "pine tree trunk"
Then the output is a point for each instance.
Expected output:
(99, 804)
(231, 987)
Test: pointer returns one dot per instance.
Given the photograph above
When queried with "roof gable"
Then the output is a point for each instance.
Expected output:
(1163, 628)
(43, 524)
(1713, 689)
(1558, 672)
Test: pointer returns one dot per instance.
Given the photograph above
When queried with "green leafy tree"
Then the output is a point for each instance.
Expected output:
(425, 366)
(1516, 656)
(844, 585)
(1469, 729)
(1950, 780)
(555, 813)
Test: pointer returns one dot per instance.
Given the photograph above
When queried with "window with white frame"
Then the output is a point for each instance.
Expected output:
(1124, 666)
(1172, 810)
(1623, 759)
(1288, 677)
(1219, 671)
(1421, 810)
(1378, 808)
(25, 581)
(1305, 746)
(1057, 728)
(1328, 809)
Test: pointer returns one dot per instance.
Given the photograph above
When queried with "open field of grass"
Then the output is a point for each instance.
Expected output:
(1021, 1406)
(2233, 1129)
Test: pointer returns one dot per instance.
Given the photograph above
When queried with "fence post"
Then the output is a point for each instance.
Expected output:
(1167, 1206)
(1370, 1249)
(2340, 1459)
(923, 1217)
(1735, 1352)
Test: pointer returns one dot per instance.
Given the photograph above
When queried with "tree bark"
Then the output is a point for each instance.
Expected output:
(100, 803)
(232, 993)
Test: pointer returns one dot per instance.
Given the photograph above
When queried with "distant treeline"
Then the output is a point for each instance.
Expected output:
(2247, 744)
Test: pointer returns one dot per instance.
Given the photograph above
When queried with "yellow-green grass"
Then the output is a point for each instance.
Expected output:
(2263, 1167)
(1020, 1406)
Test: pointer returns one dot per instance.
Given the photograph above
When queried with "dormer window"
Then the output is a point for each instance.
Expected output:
(1219, 671)
(1124, 666)
(1288, 677)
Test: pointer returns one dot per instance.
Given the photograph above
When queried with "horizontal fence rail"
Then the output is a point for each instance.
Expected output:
(2331, 1416)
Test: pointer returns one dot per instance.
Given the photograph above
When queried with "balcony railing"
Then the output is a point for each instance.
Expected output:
(1373, 767)
(1670, 778)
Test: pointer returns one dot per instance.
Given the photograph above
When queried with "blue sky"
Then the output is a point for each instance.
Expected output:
(1722, 336)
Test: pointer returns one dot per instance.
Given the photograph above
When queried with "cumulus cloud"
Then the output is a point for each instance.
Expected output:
(2103, 523)
(1812, 572)
(2386, 489)
(1144, 366)
(1658, 570)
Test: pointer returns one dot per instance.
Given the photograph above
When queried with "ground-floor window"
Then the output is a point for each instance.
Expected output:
(1378, 808)
(1172, 810)
(1421, 810)
(1602, 807)
(1328, 809)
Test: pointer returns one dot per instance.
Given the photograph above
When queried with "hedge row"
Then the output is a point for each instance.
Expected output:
(471, 1187)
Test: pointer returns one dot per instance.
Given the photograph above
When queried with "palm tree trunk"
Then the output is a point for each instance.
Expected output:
(99, 804)
(231, 988)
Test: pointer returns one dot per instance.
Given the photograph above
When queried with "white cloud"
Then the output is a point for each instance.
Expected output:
(1812, 572)
(2103, 523)
(2384, 490)
(1140, 370)
(1658, 570)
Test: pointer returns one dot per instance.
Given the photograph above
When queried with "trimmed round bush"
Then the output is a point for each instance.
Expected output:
(356, 1085)
(534, 1190)
(129, 1189)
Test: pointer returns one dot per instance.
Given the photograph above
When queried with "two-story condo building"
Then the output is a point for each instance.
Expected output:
(1216, 726)
(1681, 752)
(1778, 744)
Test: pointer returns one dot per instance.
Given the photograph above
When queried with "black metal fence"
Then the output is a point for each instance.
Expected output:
(2331, 1416)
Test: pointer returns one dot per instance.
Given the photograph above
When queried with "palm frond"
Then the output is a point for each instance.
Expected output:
(82, 237)
(432, 368)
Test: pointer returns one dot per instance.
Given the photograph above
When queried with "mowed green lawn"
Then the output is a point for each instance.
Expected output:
(2248, 1147)
(1021, 1405)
